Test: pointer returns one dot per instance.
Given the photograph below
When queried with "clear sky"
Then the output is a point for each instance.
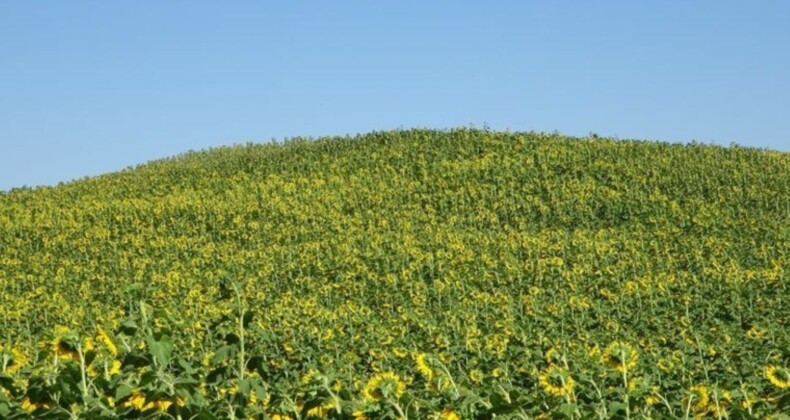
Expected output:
(88, 87)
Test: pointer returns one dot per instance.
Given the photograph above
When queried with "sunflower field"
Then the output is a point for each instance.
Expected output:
(422, 274)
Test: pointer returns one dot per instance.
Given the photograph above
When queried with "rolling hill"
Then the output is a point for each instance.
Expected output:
(412, 273)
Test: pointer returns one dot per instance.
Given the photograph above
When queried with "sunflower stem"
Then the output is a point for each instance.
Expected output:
(625, 384)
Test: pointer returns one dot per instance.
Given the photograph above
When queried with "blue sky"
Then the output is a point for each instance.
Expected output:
(89, 87)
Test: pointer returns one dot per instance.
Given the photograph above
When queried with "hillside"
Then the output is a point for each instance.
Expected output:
(420, 273)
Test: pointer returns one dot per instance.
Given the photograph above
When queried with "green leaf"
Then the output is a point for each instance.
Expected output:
(123, 391)
(567, 410)
(160, 349)
(617, 407)
(128, 327)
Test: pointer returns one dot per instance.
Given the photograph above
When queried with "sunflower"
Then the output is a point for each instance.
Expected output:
(400, 352)
(321, 411)
(30, 406)
(139, 402)
(64, 350)
(756, 333)
(161, 405)
(105, 339)
(136, 400)
(654, 398)
(476, 376)
(778, 376)
(557, 381)
(423, 367)
(11, 360)
(64, 344)
(699, 396)
(115, 368)
(309, 377)
(620, 356)
(88, 345)
(552, 356)
(384, 385)
(449, 414)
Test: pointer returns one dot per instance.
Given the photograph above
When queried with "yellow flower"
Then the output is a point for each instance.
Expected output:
(422, 366)
(321, 411)
(552, 356)
(105, 339)
(449, 414)
(594, 351)
(337, 385)
(27, 405)
(755, 333)
(280, 417)
(64, 350)
(309, 376)
(620, 356)
(726, 396)
(476, 375)
(654, 398)
(778, 376)
(699, 396)
(136, 400)
(232, 390)
(206, 362)
(161, 405)
(557, 381)
(115, 368)
(87, 345)
(665, 364)
(30, 406)
(384, 385)
(61, 330)
(12, 360)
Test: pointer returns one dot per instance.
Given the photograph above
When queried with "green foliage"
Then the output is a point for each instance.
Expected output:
(423, 274)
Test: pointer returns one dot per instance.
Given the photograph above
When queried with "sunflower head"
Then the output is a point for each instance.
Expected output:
(311, 376)
(11, 359)
(778, 376)
(107, 342)
(699, 397)
(31, 406)
(476, 376)
(321, 411)
(620, 356)
(64, 349)
(384, 386)
(552, 356)
(449, 414)
(64, 343)
(423, 367)
(557, 381)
